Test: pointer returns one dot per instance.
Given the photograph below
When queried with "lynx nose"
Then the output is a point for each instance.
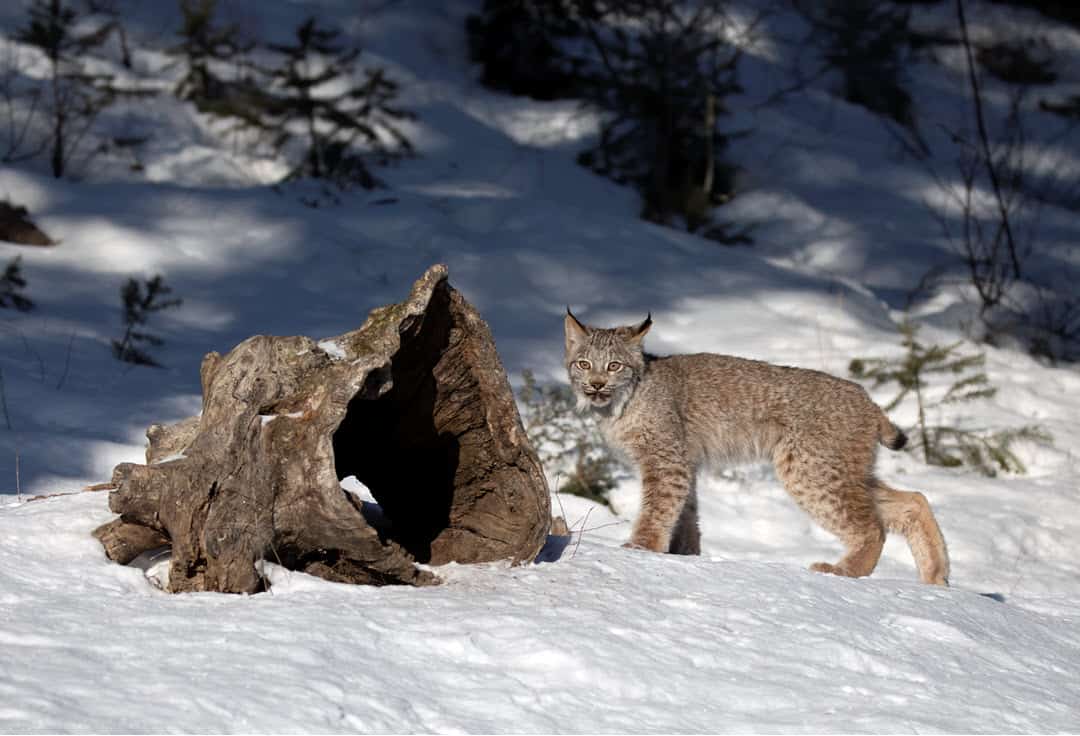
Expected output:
(597, 384)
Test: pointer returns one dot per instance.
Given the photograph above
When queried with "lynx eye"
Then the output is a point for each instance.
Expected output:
(614, 366)
(584, 365)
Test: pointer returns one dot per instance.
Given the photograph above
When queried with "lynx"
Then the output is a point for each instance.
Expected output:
(673, 415)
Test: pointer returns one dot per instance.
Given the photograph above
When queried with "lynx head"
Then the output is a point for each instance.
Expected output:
(604, 365)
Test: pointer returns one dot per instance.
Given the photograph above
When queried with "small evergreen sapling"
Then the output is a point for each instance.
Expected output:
(204, 43)
(946, 445)
(140, 301)
(659, 71)
(567, 440)
(661, 75)
(520, 46)
(869, 45)
(316, 102)
(113, 13)
(11, 284)
(74, 97)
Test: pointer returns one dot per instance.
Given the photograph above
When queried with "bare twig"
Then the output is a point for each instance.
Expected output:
(621, 522)
(581, 533)
(67, 362)
(3, 400)
(88, 489)
(984, 140)
(17, 130)
(558, 496)
(799, 85)
(45, 496)
(33, 353)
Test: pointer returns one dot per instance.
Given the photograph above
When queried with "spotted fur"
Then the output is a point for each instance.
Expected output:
(674, 415)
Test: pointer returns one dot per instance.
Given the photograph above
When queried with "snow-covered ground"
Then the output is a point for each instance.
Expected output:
(601, 639)
(604, 640)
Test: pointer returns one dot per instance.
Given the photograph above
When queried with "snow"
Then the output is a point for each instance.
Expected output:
(598, 638)
(332, 349)
(265, 419)
(605, 640)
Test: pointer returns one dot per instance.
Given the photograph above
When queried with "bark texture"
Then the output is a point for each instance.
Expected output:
(415, 404)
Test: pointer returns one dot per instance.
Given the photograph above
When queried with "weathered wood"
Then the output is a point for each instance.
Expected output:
(17, 227)
(415, 404)
(124, 541)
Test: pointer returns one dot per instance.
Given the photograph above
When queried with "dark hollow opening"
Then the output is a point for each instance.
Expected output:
(392, 443)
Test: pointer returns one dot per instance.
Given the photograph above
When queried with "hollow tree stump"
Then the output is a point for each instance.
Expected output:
(415, 404)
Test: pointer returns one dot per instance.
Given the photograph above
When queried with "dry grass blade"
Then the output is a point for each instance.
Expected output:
(580, 533)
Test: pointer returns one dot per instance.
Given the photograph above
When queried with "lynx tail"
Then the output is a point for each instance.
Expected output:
(890, 435)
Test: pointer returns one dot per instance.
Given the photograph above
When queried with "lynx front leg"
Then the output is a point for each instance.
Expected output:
(665, 490)
(686, 539)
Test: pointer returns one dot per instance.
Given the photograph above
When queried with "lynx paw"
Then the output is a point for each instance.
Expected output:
(936, 578)
(829, 569)
(651, 542)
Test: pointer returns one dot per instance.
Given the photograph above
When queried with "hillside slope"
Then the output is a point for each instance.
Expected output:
(602, 639)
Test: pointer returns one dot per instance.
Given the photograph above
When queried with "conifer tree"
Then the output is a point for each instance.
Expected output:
(113, 25)
(204, 43)
(657, 70)
(662, 78)
(12, 283)
(519, 46)
(869, 44)
(317, 104)
(140, 301)
(75, 97)
(946, 445)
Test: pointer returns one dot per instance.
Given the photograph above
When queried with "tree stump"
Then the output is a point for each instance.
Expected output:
(17, 227)
(415, 404)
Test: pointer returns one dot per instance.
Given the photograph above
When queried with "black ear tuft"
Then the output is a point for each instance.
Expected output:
(571, 318)
(575, 332)
(899, 441)
(636, 333)
(641, 329)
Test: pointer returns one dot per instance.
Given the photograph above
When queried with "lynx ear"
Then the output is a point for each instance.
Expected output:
(575, 331)
(637, 333)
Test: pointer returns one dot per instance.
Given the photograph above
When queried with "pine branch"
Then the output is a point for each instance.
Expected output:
(12, 282)
(140, 300)
(946, 445)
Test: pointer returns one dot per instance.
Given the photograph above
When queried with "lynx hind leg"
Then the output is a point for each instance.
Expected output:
(858, 526)
(842, 506)
(686, 539)
(908, 513)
